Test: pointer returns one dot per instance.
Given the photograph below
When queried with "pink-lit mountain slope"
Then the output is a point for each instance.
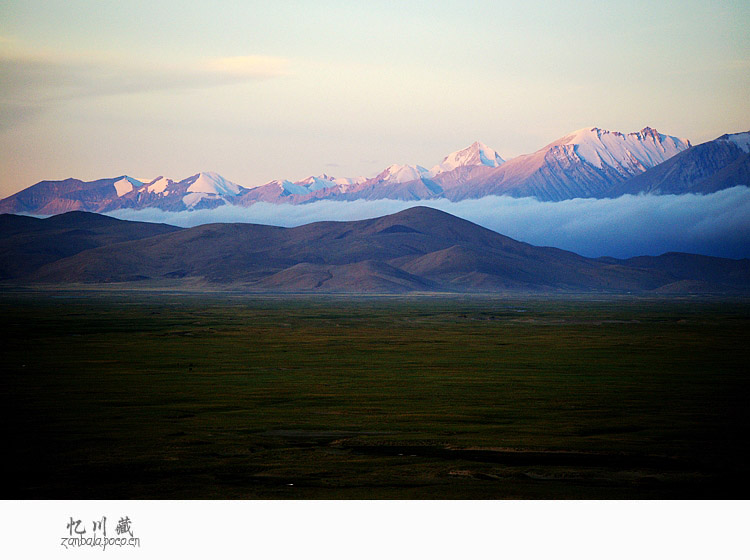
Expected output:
(584, 164)
(587, 163)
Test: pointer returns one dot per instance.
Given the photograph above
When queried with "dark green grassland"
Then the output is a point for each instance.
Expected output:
(114, 396)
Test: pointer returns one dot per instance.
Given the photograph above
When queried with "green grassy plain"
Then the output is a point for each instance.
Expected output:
(143, 395)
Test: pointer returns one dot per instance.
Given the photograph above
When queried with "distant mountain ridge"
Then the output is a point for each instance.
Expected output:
(416, 250)
(587, 163)
(709, 167)
(583, 164)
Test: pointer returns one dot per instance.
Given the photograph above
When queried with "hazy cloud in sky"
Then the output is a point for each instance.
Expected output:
(47, 79)
(716, 224)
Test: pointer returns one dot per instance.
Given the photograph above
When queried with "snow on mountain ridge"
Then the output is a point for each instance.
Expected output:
(317, 182)
(346, 183)
(160, 185)
(636, 151)
(397, 173)
(293, 188)
(192, 199)
(213, 183)
(126, 185)
(739, 139)
(476, 154)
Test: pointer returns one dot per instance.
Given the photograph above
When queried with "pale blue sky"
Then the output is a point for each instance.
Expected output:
(264, 90)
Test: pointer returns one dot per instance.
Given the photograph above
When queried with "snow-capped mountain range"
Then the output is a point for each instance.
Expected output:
(589, 162)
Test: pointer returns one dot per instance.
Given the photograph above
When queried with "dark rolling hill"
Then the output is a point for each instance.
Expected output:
(416, 250)
(28, 243)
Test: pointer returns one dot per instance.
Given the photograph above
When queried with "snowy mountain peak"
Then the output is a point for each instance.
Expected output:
(476, 154)
(213, 183)
(634, 151)
(317, 182)
(402, 173)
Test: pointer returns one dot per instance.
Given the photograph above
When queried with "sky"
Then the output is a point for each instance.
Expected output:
(258, 91)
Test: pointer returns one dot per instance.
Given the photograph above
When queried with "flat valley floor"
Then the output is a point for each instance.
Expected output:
(120, 395)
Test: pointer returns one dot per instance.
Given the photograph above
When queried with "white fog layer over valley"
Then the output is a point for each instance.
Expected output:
(716, 224)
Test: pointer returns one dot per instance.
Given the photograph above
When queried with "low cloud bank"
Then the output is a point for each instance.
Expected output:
(715, 224)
